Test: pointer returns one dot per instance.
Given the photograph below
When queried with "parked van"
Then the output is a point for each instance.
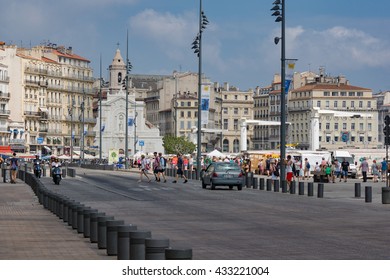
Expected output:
(341, 155)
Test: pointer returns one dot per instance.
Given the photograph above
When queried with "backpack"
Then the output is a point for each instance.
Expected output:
(163, 162)
(293, 168)
(308, 165)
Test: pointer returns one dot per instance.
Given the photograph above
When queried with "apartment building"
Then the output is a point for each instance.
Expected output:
(332, 114)
(50, 92)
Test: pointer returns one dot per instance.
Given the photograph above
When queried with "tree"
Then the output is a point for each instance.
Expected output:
(174, 145)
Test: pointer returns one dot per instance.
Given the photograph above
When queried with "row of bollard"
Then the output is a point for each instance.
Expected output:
(269, 184)
(125, 241)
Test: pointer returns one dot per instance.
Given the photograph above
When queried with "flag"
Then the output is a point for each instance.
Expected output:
(103, 127)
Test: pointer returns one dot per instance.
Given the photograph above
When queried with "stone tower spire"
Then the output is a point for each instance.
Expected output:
(117, 71)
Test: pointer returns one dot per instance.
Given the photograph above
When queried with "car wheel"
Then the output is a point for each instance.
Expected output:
(203, 185)
(212, 186)
(230, 187)
(239, 187)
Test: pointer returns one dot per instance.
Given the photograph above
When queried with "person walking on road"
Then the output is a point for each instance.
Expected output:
(180, 169)
(306, 174)
(144, 168)
(364, 168)
(344, 169)
(384, 169)
(14, 167)
(375, 171)
(163, 166)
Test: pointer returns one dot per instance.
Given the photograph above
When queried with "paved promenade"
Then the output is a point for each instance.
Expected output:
(28, 231)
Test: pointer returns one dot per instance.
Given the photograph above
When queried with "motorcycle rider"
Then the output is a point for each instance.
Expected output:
(37, 166)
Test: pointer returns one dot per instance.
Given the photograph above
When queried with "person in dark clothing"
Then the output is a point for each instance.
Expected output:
(180, 169)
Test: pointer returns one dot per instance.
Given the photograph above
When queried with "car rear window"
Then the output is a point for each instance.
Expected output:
(225, 167)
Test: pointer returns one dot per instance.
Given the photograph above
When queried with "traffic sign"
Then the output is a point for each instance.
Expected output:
(141, 143)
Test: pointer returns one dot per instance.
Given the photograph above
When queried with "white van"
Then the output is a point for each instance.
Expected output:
(341, 155)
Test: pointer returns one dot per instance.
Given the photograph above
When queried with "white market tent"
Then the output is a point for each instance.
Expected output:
(215, 153)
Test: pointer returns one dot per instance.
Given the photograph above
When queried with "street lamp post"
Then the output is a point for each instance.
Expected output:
(197, 47)
(100, 110)
(280, 12)
(70, 111)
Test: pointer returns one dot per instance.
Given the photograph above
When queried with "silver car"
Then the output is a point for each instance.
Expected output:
(222, 174)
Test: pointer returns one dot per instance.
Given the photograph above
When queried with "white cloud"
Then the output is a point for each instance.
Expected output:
(338, 47)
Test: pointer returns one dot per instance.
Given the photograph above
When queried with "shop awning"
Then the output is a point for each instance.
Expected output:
(5, 150)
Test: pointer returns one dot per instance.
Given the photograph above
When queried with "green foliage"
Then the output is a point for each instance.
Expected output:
(174, 145)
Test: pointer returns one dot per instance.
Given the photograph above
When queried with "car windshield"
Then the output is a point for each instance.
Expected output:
(227, 167)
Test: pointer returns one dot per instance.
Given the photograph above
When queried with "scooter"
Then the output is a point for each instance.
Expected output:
(37, 170)
(56, 174)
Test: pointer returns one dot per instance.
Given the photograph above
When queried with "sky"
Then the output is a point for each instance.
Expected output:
(349, 37)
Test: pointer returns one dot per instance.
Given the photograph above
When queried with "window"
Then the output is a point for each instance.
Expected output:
(319, 103)
(236, 97)
(327, 104)
(369, 126)
(361, 138)
(235, 124)
(353, 138)
(182, 114)
(225, 124)
(327, 126)
(225, 97)
(344, 104)
(246, 97)
(235, 111)
(246, 110)
(351, 93)
(326, 93)
(336, 126)
(352, 104)
(352, 126)
(182, 104)
(359, 93)
(335, 104)
(369, 104)
(336, 139)
(328, 138)
(335, 93)
(225, 147)
(344, 126)
(181, 124)
(189, 114)
(360, 104)
(225, 110)
(189, 104)
(343, 93)
(361, 126)
(189, 124)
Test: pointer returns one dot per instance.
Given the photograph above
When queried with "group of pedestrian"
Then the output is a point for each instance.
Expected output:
(158, 164)
(378, 171)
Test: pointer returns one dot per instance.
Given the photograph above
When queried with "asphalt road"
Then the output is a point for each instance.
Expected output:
(244, 225)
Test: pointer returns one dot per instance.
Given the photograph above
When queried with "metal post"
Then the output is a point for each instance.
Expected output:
(127, 104)
(100, 110)
(357, 190)
(283, 99)
(199, 136)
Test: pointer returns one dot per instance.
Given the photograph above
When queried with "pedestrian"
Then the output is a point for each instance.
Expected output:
(375, 171)
(384, 169)
(144, 168)
(156, 167)
(328, 172)
(337, 169)
(344, 169)
(289, 171)
(180, 169)
(14, 167)
(364, 168)
(306, 169)
(163, 166)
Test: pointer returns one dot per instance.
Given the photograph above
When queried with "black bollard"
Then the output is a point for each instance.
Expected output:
(178, 254)
(249, 179)
(301, 187)
(385, 195)
(155, 248)
(255, 183)
(137, 244)
(269, 185)
(292, 187)
(112, 236)
(368, 192)
(310, 189)
(123, 245)
(87, 221)
(261, 183)
(93, 235)
(358, 190)
(320, 190)
(284, 186)
(276, 185)
(80, 218)
(102, 231)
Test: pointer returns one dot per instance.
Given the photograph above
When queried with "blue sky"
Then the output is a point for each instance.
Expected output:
(349, 37)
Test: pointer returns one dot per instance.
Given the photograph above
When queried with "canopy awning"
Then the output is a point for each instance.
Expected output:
(5, 150)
